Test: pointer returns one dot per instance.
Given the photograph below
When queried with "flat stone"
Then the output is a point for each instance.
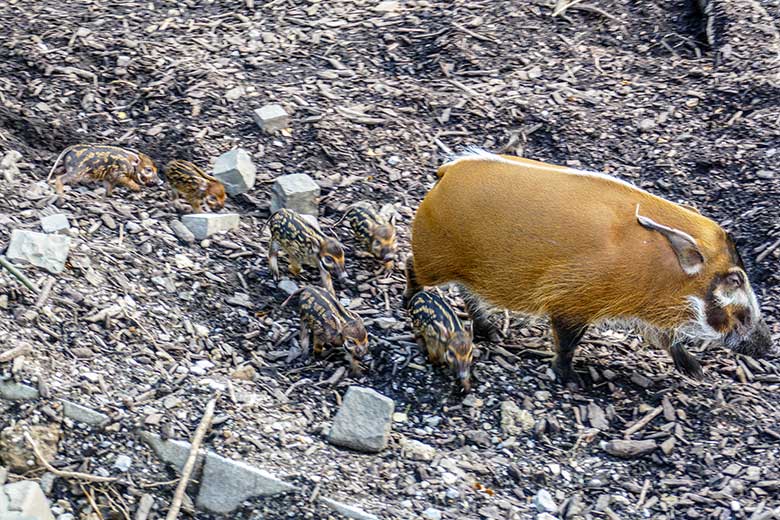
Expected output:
(387, 6)
(8, 166)
(546, 516)
(236, 171)
(416, 450)
(297, 192)
(54, 223)
(13, 391)
(83, 414)
(170, 451)
(182, 232)
(347, 510)
(27, 498)
(515, 420)
(629, 449)
(431, 514)
(226, 484)
(287, 286)
(544, 502)
(39, 249)
(203, 225)
(271, 118)
(364, 420)
(123, 463)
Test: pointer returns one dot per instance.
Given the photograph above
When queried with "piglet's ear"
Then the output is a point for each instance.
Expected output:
(684, 245)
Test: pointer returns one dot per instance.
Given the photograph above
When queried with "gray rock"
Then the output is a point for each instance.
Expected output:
(8, 166)
(123, 463)
(297, 192)
(236, 171)
(544, 502)
(416, 450)
(182, 232)
(203, 225)
(546, 516)
(347, 510)
(171, 451)
(41, 250)
(271, 118)
(54, 223)
(83, 414)
(364, 420)
(431, 514)
(629, 449)
(288, 286)
(515, 420)
(13, 391)
(226, 483)
(26, 498)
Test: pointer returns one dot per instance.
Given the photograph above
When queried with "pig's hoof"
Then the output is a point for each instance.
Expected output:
(565, 374)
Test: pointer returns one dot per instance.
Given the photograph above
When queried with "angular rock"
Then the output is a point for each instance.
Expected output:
(236, 171)
(82, 414)
(54, 223)
(204, 225)
(8, 166)
(287, 286)
(515, 420)
(629, 449)
(226, 483)
(39, 249)
(431, 514)
(27, 499)
(17, 454)
(271, 118)
(416, 450)
(123, 463)
(12, 391)
(170, 451)
(544, 502)
(364, 420)
(546, 516)
(347, 510)
(297, 192)
(597, 417)
(182, 232)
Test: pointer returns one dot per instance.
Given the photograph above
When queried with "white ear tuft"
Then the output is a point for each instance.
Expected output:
(684, 245)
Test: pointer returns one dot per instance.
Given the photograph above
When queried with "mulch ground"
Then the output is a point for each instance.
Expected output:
(379, 92)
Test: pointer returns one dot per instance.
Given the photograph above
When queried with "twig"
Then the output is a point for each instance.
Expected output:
(596, 10)
(18, 274)
(60, 473)
(561, 7)
(766, 252)
(643, 494)
(19, 350)
(644, 421)
(186, 472)
(91, 501)
(473, 34)
(45, 292)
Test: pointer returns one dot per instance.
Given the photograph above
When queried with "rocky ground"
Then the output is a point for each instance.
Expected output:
(145, 327)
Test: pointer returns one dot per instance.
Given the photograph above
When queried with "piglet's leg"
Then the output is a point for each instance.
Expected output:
(303, 339)
(273, 258)
(684, 362)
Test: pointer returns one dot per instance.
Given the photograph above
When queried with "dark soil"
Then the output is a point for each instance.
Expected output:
(630, 88)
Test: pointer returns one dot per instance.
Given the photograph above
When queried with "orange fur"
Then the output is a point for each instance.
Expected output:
(560, 243)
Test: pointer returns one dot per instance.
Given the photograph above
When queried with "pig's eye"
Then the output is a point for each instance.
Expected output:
(327, 261)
